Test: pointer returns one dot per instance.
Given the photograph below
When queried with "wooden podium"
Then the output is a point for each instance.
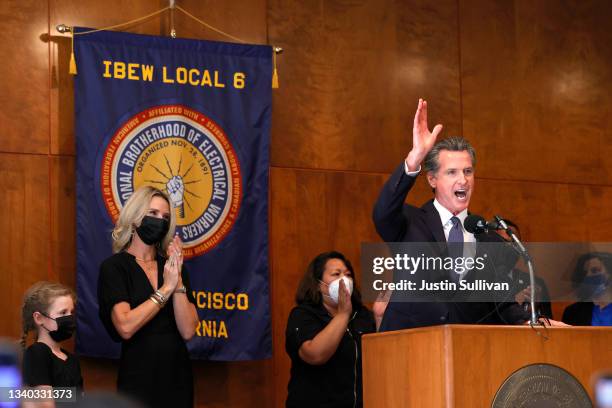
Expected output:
(464, 365)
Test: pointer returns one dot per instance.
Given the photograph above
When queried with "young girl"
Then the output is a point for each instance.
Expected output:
(48, 310)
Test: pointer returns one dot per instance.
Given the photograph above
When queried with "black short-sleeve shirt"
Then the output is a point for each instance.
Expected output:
(337, 383)
(42, 367)
(122, 280)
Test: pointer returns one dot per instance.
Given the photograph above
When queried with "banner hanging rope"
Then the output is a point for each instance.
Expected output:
(63, 28)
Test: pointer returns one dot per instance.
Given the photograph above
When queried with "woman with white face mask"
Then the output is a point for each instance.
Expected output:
(323, 336)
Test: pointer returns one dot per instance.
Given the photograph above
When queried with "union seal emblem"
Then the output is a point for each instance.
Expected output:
(186, 154)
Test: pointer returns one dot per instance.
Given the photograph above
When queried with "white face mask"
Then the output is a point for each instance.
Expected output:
(334, 288)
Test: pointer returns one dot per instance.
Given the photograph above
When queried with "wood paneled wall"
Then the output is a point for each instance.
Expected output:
(527, 82)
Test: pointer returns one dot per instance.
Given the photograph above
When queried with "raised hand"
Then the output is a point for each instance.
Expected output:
(344, 299)
(423, 139)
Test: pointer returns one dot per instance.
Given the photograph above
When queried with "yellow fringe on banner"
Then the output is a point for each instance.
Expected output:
(275, 72)
(72, 69)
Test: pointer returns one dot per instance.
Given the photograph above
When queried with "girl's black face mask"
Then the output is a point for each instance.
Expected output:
(152, 229)
(66, 325)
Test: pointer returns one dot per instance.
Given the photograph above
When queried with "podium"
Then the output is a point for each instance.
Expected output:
(465, 365)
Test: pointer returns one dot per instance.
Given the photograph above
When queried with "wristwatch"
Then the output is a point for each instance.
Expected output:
(182, 289)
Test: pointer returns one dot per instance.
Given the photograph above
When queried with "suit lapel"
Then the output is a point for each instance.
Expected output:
(432, 218)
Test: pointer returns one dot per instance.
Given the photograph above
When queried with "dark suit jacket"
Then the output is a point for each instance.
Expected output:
(579, 314)
(395, 222)
(520, 280)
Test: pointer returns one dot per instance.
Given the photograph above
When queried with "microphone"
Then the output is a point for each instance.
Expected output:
(533, 321)
(519, 245)
(475, 224)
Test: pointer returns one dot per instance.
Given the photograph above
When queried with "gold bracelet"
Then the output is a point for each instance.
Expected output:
(161, 296)
(160, 299)
(155, 301)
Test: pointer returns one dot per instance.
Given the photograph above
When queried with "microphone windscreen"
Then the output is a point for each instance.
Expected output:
(474, 224)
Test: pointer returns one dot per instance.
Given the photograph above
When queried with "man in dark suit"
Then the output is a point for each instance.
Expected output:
(449, 168)
(520, 282)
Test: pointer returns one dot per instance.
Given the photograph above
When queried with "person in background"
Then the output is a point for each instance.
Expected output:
(48, 311)
(145, 302)
(323, 336)
(520, 280)
(593, 284)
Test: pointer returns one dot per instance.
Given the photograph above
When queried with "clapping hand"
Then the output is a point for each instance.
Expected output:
(173, 266)
(171, 276)
(176, 248)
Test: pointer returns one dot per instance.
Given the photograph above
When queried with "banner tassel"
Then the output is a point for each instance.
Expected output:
(72, 69)
(275, 72)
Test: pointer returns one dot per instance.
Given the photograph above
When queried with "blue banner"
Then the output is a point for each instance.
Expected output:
(192, 118)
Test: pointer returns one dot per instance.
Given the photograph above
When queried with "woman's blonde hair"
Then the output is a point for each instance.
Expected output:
(38, 298)
(132, 214)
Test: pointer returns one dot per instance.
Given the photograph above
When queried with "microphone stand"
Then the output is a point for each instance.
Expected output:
(525, 254)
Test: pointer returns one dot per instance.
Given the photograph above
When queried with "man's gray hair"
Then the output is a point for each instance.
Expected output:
(453, 144)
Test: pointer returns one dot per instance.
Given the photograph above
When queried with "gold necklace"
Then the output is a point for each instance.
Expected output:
(141, 260)
(148, 266)
(144, 260)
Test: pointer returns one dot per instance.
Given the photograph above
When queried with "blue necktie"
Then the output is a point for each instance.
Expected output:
(455, 241)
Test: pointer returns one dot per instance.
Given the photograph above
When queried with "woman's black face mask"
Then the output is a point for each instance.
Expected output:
(152, 229)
